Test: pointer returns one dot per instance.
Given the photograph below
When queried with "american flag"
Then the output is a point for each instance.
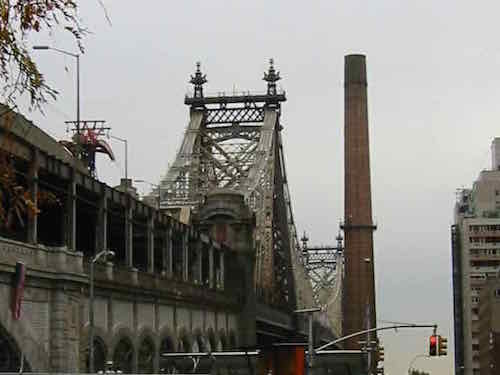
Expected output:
(17, 295)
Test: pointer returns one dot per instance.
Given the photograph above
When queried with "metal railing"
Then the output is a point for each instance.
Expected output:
(242, 93)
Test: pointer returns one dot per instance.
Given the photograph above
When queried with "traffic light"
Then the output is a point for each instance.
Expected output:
(443, 345)
(380, 353)
(433, 342)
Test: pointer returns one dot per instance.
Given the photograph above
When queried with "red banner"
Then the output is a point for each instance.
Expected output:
(18, 290)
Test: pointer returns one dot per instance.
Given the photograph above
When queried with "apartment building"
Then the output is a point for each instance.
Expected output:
(489, 328)
(476, 258)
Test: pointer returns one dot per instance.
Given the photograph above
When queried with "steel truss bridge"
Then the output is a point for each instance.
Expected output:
(234, 143)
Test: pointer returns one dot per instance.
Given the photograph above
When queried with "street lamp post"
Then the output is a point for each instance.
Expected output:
(104, 253)
(126, 153)
(77, 57)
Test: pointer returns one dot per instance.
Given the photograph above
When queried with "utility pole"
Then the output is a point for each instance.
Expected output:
(124, 141)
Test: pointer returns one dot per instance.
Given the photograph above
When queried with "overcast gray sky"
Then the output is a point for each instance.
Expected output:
(433, 92)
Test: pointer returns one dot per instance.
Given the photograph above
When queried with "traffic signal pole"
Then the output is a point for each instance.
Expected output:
(396, 326)
(410, 366)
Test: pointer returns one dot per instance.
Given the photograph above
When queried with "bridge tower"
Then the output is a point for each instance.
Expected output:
(233, 146)
(359, 285)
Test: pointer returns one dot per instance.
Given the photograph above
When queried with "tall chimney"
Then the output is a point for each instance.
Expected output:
(359, 281)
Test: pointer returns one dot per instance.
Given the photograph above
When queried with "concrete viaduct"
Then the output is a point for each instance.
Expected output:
(170, 287)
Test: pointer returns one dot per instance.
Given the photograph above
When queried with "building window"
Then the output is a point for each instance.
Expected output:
(478, 276)
(497, 293)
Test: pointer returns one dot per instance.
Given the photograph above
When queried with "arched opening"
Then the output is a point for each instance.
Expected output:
(166, 364)
(219, 346)
(10, 354)
(123, 356)
(146, 356)
(232, 341)
(184, 344)
(223, 341)
(167, 345)
(200, 343)
(212, 341)
(99, 355)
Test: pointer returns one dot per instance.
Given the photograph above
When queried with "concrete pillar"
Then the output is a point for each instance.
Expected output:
(247, 328)
(185, 254)
(129, 233)
(33, 187)
(151, 244)
(58, 340)
(71, 213)
(221, 262)
(156, 359)
(199, 261)
(135, 343)
(211, 266)
(102, 225)
(167, 255)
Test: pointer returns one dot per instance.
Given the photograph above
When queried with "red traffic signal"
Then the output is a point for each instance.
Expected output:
(433, 341)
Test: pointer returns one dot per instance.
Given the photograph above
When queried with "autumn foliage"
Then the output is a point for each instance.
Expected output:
(17, 201)
(18, 20)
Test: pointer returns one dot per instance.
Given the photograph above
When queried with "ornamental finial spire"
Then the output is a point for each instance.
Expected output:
(198, 79)
(271, 77)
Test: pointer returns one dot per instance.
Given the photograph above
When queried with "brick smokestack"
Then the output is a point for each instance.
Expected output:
(359, 282)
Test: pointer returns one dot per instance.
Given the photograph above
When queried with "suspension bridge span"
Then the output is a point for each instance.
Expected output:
(233, 145)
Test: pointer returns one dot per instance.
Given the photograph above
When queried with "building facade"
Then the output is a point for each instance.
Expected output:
(489, 328)
(476, 258)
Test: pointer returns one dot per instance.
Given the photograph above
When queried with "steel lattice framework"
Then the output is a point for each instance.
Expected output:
(234, 143)
(325, 267)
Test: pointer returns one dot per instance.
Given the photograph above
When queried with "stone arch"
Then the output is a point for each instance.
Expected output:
(10, 354)
(212, 340)
(119, 332)
(167, 340)
(232, 341)
(101, 345)
(21, 334)
(100, 355)
(146, 353)
(123, 350)
(223, 340)
(185, 342)
(199, 343)
(167, 344)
